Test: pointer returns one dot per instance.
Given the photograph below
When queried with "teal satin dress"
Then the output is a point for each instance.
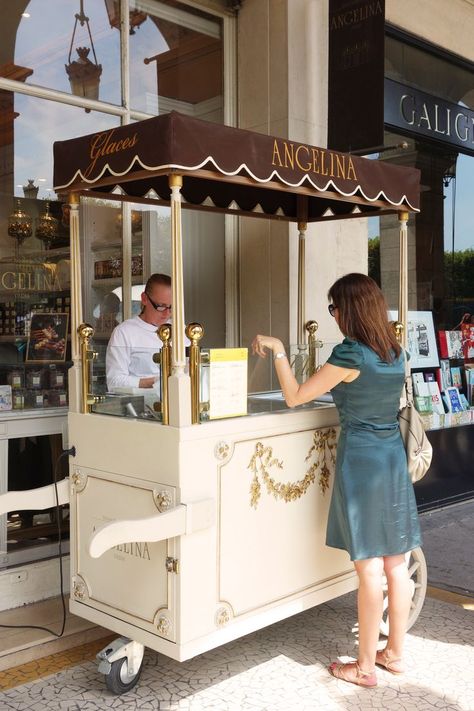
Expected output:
(373, 508)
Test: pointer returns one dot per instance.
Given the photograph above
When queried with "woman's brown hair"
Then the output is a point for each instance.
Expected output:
(362, 314)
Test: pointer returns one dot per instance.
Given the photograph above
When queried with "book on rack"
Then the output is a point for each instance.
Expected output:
(436, 401)
(456, 378)
(467, 339)
(418, 383)
(453, 400)
(423, 404)
(470, 384)
(445, 369)
(5, 397)
(450, 344)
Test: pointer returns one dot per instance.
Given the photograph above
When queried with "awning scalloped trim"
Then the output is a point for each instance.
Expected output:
(274, 174)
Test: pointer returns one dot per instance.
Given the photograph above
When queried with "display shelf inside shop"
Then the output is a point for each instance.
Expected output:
(42, 254)
(450, 419)
(33, 412)
(115, 281)
(106, 246)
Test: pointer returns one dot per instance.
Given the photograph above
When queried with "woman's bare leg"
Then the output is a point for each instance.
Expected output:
(370, 606)
(399, 600)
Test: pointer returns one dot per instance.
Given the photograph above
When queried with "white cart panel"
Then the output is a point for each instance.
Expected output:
(274, 500)
(131, 577)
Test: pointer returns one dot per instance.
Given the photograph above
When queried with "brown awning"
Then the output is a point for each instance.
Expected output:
(233, 170)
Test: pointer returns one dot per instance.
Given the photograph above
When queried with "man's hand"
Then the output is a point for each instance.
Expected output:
(147, 382)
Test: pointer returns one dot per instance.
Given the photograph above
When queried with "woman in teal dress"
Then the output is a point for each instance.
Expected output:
(373, 513)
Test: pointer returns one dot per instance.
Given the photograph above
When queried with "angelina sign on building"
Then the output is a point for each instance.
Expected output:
(356, 74)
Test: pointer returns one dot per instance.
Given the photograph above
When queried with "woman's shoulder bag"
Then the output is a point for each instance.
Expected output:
(417, 445)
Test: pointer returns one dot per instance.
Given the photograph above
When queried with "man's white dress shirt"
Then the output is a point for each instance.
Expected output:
(130, 353)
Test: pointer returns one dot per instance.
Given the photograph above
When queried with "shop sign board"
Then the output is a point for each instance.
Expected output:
(356, 74)
(422, 114)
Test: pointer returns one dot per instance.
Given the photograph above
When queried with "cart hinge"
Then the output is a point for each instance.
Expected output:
(172, 565)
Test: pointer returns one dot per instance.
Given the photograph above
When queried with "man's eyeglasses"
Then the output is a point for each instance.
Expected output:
(331, 309)
(159, 307)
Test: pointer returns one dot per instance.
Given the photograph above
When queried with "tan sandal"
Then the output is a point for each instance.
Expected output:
(388, 661)
(362, 678)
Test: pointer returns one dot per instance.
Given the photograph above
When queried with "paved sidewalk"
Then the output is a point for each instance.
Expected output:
(282, 668)
(448, 545)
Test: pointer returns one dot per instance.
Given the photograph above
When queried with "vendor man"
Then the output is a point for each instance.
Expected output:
(129, 359)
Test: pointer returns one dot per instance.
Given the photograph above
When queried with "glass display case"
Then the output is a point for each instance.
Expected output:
(35, 304)
(263, 391)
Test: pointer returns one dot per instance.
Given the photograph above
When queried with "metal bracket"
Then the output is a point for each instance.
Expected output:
(119, 648)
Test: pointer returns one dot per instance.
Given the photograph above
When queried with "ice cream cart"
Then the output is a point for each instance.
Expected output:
(186, 531)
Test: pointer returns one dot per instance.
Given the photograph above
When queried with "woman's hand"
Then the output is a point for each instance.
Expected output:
(261, 344)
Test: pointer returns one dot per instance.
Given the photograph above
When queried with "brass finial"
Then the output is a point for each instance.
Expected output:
(399, 328)
(85, 331)
(194, 331)
(164, 332)
(311, 327)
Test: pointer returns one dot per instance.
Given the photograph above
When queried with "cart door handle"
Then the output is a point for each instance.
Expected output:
(181, 520)
(42, 498)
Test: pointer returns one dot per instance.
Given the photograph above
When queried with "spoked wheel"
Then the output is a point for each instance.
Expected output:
(418, 580)
(118, 680)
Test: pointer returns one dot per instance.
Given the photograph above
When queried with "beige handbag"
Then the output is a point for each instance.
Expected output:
(417, 445)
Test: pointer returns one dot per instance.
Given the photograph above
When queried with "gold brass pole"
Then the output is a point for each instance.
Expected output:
(312, 327)
(403, 277)
(164, 358)
(85, 333)
(301, 282)
(195, 332)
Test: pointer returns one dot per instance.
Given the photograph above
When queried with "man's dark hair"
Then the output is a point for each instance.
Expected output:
(157, 279)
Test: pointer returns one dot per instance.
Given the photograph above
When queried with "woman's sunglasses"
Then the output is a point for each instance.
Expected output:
(331, 309)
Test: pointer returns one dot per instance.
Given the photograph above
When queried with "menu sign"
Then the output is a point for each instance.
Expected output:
(227, 382)
(355, 74)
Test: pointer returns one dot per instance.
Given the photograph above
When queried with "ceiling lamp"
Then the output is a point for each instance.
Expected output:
(84, 75)
(19, 225)
(47, 227)
(136, 17)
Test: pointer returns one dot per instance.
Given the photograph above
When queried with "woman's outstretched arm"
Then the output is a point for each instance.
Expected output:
(295, 394)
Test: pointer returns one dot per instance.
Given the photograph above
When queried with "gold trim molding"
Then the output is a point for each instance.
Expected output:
(79, 588)
(221, 450)
(223, 616)
(321, 454)
(79, 480)
(163, 626)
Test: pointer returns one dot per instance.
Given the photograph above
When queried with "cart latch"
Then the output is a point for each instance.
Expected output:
(172, 565)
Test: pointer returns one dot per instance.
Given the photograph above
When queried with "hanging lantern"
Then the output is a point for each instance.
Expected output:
(19, 225)
(47, 227)
(30, 190)
(84, 75)
(136, 17)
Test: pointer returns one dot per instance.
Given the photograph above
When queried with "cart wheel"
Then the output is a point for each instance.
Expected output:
(418, 579)
(118, 680)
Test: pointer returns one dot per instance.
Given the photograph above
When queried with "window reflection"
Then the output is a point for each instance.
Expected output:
(35, 39)
(27, 133)
(176, 62)
(440, 237)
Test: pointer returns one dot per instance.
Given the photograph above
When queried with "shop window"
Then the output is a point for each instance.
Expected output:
(176, 61)
(39, 39)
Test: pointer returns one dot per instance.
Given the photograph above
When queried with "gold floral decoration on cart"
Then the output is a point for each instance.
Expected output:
(322, 449)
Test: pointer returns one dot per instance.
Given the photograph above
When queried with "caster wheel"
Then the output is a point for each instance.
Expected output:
(118, 680)
(418, 580)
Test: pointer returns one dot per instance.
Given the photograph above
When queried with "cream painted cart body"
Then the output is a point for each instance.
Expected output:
(185, 536)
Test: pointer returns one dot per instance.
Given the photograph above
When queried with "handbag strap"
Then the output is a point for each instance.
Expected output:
(408, 385)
